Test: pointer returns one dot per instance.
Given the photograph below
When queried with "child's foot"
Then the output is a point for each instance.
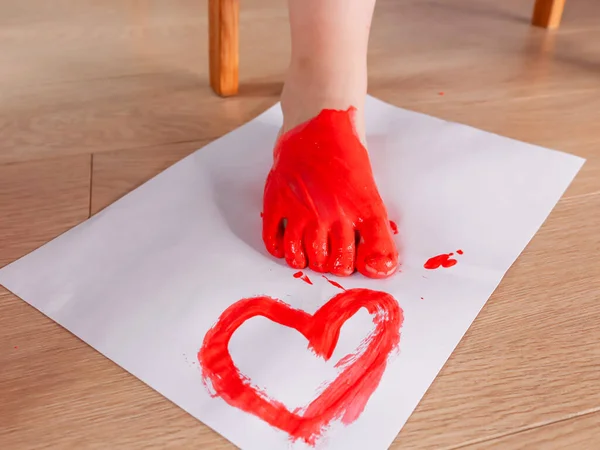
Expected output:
(321, 204)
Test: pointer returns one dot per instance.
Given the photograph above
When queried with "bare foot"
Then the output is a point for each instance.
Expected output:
(321, 205)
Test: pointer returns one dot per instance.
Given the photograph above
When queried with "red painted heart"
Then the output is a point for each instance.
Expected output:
(346, 397)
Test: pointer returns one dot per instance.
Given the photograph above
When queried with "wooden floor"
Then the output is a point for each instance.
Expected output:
(96, 96)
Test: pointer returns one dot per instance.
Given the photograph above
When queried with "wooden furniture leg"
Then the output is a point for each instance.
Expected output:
(223, 30)
(547, 13)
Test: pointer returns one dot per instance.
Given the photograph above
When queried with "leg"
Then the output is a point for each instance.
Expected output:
(547, 13)
(329, 58)
(223, 17)
(322, 208)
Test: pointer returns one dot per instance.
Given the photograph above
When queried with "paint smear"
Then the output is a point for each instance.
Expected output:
(345, 398)
(334, 283)
(302, 277)
(443, 260)
(394, 227)
(306, 279)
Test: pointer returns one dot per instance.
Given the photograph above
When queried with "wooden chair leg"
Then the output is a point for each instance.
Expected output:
(223, 30)
(547, 13)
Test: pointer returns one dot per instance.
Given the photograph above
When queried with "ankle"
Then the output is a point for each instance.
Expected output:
(311, 87)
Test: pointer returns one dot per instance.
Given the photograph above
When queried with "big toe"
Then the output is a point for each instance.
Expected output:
(377, 256)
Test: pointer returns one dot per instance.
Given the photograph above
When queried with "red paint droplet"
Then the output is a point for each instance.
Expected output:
(298, 274)
(422, 298)
(440, 93)
(16, 347)
(306, 279)
(337, 285)
(440, 260)
(394, 226)
(261, 214)
(460, 252)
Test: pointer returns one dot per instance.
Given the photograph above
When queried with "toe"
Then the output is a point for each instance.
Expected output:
(293, 245)
(317, 247)
(376, 256)
(273, 224)
(341, 259)
(273, 233)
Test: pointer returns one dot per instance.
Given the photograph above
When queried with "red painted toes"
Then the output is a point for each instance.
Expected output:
(321, 181)
(377, 256)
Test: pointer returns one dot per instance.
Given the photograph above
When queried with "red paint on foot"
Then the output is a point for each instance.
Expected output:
(334, 283)
(16, 347)
(298, 274)
(441, 93)
(345, 398)
(322, 208)
(394, 227)
(440, 260)
(460, 252)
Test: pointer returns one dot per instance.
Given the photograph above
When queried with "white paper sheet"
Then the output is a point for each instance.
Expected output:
(145, 279)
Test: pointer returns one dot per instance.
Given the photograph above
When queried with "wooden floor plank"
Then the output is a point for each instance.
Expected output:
(40, 200)
(582, 432)
(532, 355)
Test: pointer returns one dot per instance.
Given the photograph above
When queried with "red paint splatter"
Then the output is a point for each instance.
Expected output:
(440, 260)
(334, 283)
(345, 398)
(422, 298)
(302, 277)
(16, 347)
(394, 227)
(321, 170)
(440, 93)
(460, 252)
